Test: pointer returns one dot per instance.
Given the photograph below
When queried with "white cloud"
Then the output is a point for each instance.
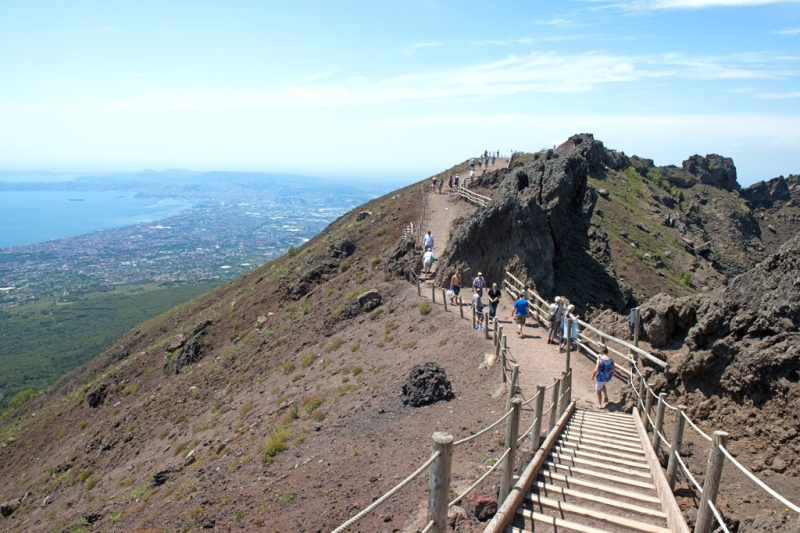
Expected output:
(686, 4)
(778, 96)
(792, 31)
(536, 72)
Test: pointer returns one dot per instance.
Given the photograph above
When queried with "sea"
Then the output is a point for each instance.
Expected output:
(27, 217)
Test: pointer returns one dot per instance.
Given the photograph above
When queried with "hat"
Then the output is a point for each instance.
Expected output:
(558, 299)
(480, 273)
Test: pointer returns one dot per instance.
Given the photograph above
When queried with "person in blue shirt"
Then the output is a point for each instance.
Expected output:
(520, 313)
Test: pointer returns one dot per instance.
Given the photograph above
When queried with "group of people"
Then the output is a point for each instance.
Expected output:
(438, 183)
(483, 160)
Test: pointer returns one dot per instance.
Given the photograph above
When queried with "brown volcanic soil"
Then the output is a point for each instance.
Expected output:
(358, 443)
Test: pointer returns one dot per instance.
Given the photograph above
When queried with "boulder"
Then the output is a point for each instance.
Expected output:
(369, 300)
(260, 321)
(427, 384)
(7, 508)
(362, 215)
(480, 506)
(177, 343)
(201, 327)
(96, 395)
(664, 316)
(343, 248)
(713, 170)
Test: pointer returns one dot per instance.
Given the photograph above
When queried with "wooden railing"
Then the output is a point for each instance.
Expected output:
(473, 197)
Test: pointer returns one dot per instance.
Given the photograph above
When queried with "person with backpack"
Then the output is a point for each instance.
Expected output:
(427, 261)
(573, 333)
(603, 372)
(520, 312)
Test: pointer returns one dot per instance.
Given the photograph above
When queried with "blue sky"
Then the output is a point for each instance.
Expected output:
(379, 89)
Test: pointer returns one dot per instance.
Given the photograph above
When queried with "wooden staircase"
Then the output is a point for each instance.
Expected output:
(598, 475)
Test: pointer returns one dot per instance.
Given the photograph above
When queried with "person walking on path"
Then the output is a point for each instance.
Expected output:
(556, 312)
(471, 176)
(520, 312)
(455, 180)
(479, 283)
(472, 164)
(427, 261)
(603, 372)
(477, 303)
(494, 300)
(573, 333)
(455, 286)
(428, 242)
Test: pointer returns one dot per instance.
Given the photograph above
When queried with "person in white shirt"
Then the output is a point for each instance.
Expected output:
(428, 242)
(427, 261)
(556, 313)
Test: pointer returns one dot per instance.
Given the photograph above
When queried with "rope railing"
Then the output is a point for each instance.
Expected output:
(718, 517)
(484, 430)
(758, 482)
(697, 429)
(688, 473)
(480, 479)
(387, 495)
(428, 527)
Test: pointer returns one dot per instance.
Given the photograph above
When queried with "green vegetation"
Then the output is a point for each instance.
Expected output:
(42, 341)
(286, 496)
(92, 482)
(686, 278)
(333, 345)
(307, 359)
(292, 252)
(275, 444)
(311, 404)
(424, 308)
(375, 261)
(288, 367)
(83, 476)
(380, 232)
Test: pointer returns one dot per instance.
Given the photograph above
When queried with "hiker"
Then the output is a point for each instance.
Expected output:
(520, 312)
(433, 182)
(455, 286)
(472, 164)
(574, 327)
(494, 300)
(441, 182)
(427, 261)
(493, 158)
(455, 180)
(603, 372)
(450, 184)
(479, 283)
(556, 312)
(428, 242)
(480, 161)
(477, 303)
(471, 176)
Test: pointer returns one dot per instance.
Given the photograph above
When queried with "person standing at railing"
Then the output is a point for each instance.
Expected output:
(603, 372)
(479, 283)
(556, 312)
(427, 242)
(573, 333)
(494, 300)
(520, 312)
(455, 286)
(477, 303)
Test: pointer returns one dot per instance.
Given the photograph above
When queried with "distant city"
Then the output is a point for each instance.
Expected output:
(237, 222)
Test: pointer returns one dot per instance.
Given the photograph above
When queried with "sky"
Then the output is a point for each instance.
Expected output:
(394, 89)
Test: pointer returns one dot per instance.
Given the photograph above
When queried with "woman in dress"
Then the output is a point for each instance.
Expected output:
(603, 372)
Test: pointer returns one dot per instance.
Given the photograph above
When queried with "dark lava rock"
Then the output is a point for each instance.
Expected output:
(306, 277)
(189, 353)
(343, 248)
(426, 384)
(713, 170)
(92, 516)
(602, 192)
(159, 478)
(201, 327)
(642, 227)
(208, 523)
(370, 300)
(362, 215)
(642, 165)
(406, 257)
(7, 508)
(480, 506)
(765, 194)
(96, 396)
(663, 316)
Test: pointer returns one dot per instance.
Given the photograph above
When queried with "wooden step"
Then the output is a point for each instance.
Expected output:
(602, 466)
(602, 475)
(545, 474)
(605, 415)
(556, 523)
(578, 439)
(603, 457)
(623, 439)
(604, 426)
(655, 513)
(598, 449)
(585, 512)
(605, 421)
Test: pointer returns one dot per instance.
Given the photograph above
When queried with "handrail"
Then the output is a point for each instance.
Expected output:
(480, 479)
(484, 430)
(760, 483)
(694, 426)
(386, 496)
(631, 347)
(718, 517)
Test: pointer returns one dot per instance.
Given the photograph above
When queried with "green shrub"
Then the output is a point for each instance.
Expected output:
(292, 252)
(380, 232)
(375, 261)
(686, 278)
(83, 476)
(318, 416)
(424, 308)
(355, 346)
(288, 367)
(350, 295)
(344, 266)
(334, 345)
(82, 425)
(92, 482)
(328, 291)
(357, 370)
(275, 444)
(311, 404)
(307, 359)
(22, 397)
(131, 389)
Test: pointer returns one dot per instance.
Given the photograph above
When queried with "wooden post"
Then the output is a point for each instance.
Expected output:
(503, 363)
(419, 289)
(659, 422)
(473, 317)
(637, 325)
(562, 394)
(640, 402)
(507, 470)
(486, 326)
(439, 481)
(677, 441)
(444, 299)
(551, 421)
(648, 408)
(568, 392)
(569, 340)
(711, 482)
(461, 306)
(433, 292)
(512, 387)
(505, 342)
(538, 409)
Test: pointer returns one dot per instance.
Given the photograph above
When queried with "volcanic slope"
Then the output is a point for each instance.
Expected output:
(274, 400)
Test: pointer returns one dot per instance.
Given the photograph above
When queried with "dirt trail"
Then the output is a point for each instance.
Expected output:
(539, 362)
